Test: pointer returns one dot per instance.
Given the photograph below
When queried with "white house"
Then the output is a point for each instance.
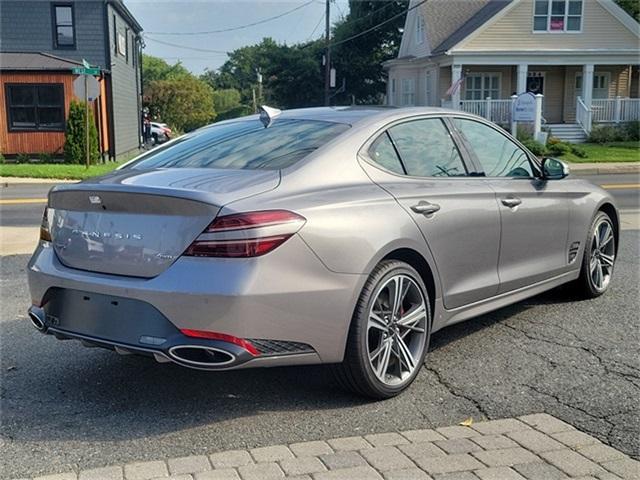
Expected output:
(582, 55)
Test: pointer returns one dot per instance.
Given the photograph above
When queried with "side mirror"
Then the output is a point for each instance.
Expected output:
(554, 169)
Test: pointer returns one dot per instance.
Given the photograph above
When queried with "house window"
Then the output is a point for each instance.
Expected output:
(419, 29)
(600, 85)
(408, 92)
(478, 86)
(64, 31)
(35, 107)
(557, 16)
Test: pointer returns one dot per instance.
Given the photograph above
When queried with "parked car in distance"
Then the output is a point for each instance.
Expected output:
(160, 132)
(343, 236)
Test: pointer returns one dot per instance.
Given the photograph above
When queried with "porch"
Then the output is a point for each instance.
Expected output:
(574, 96)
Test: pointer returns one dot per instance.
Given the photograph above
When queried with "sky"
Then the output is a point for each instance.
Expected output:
(187, 16)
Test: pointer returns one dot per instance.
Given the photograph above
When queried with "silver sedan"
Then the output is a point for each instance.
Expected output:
(344, 236)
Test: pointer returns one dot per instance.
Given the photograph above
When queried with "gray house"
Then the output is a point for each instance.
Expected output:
(40, 42)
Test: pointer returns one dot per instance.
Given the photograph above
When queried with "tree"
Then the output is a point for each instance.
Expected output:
(185, 103)
(75, 138)
(291, 75)
(154, 68)
(632, 7)
(359, 61)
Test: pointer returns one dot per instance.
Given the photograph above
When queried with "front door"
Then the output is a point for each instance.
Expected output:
(456, 213)
(534, 214)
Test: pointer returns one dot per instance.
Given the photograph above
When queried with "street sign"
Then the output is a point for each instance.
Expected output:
(86, 88)
(524, 108)
(85, 71)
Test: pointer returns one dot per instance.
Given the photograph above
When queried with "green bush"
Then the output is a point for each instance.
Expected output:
(2, 159)
(524, 133)
(23, 158)
(74, 146)
(239, 111)
(535, 147)
(607, 134)
(579, 151)
(558, 149)
(45, 157)
(632, 130)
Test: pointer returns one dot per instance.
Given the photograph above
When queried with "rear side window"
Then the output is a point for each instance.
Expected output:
(244, 145)
(384, 154)
(427, 149)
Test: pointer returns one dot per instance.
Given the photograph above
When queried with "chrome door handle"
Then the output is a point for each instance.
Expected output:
(425, 208)
(511, 202)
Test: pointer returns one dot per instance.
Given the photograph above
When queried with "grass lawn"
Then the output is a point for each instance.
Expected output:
(607, 152)
(55, 170)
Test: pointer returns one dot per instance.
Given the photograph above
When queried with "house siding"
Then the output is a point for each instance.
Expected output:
(125, 85)
(28, 27)
(32, 142)
(514, 31)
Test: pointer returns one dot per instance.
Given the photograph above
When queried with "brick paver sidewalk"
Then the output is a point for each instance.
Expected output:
(533, 447)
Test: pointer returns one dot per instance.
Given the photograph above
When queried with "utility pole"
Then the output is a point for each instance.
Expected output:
(327, 55)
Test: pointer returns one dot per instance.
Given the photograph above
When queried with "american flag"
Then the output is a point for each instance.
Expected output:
(455, 86)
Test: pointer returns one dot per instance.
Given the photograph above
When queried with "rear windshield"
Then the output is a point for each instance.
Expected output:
(244, 145)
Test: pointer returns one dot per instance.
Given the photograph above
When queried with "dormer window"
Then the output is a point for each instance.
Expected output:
(419, 29)
(557, 16)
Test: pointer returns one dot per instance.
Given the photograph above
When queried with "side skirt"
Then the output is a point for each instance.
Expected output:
(456, 315)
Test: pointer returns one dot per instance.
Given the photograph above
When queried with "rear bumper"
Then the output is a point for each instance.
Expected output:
(287, 297)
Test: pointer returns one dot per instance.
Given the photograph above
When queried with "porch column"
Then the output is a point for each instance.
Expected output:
(523, 71)
(456, 78)
(587, 84)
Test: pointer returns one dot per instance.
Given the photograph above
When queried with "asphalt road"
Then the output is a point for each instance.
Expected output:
(63, 404)
(30, 214)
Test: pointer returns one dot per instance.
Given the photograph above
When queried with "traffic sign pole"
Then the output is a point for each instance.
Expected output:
(86, 119)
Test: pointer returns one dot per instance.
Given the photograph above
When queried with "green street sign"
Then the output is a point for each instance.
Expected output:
(85, 71)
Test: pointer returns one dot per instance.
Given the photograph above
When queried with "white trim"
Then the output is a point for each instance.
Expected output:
(549, 15)
(624, 18)
(541, 57)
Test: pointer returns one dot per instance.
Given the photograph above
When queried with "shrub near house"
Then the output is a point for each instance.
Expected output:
(75, 136)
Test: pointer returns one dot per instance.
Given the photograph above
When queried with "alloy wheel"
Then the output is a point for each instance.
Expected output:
(396, 330)
(602, 255)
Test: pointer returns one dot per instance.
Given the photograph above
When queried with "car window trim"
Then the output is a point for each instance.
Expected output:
(363, 152)
(534, 164)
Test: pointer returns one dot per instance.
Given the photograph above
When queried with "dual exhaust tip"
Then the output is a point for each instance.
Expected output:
(198, 356)
(36, 315)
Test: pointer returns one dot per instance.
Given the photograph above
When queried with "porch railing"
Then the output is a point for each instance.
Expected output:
(583, 115)
(498, 111)
(615, 110)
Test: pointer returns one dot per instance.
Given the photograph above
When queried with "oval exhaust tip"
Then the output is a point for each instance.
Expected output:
(201, 356)
(37, 322)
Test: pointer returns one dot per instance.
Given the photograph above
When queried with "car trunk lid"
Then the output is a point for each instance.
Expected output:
(137, 223)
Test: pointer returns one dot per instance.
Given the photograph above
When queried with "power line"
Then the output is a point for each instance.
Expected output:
(185, 47)
(315, 28)
(239, 27)
(390, 19)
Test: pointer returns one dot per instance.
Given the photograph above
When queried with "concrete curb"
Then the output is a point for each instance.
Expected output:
(605, 168)
(25, 180)
(531, 447)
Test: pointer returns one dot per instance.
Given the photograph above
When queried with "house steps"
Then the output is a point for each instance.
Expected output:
(568, 132)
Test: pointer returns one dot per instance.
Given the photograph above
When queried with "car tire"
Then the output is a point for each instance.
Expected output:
(598, 259)
(362, 371)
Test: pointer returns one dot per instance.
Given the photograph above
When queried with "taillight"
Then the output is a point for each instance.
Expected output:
(45, 234)
(242, 235)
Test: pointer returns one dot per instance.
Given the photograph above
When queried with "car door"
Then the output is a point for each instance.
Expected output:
(534, 213)
(419, 163)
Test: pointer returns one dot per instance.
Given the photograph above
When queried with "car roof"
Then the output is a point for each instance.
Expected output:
(356, 114)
